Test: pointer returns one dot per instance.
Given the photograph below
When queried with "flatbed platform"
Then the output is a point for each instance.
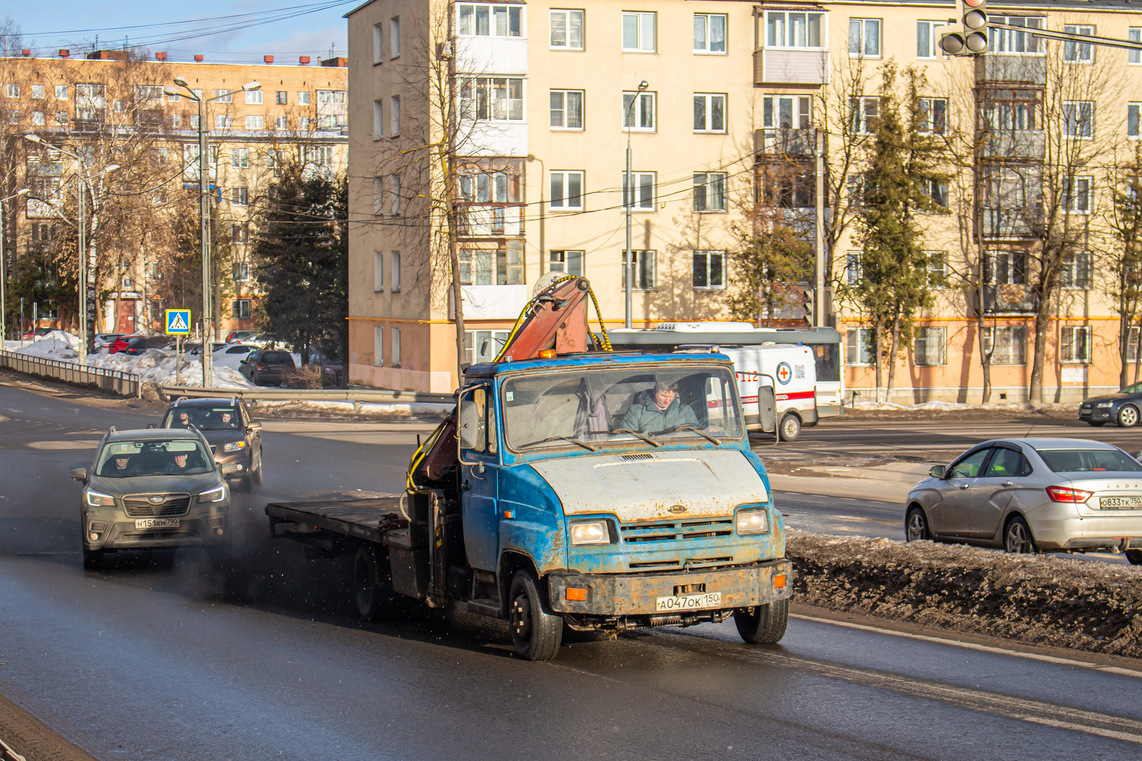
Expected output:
(367, 519)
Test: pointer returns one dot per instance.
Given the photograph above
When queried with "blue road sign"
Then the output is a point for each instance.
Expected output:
(178, 322)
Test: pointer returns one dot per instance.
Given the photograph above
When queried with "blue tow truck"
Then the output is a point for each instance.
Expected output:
(546, 501)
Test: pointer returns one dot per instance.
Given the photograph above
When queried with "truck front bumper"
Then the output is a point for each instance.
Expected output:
(638, 594)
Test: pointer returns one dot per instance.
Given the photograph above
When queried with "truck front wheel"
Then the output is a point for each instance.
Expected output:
(764, 624)
(536, 631)
(370, 583)
(790, 427)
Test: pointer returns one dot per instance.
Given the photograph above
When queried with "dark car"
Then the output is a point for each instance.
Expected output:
(37, 333)
(268, 367)
(152, 489)
(1121, 408)
(135, 345)
(226, 424)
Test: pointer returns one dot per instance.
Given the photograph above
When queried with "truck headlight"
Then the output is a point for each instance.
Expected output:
(98, 499)
(233, 446)
(590, 532)
(753, 521)
(217, 494)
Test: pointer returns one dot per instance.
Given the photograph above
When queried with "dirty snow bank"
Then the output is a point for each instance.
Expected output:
(1041, 599)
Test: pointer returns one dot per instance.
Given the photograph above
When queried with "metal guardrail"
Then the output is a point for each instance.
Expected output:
(8, 754)
(355, 395)
(113, 381)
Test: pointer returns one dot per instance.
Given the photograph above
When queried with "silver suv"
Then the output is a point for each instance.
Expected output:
(153, 489)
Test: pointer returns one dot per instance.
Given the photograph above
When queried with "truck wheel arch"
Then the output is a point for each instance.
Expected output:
(510, 562)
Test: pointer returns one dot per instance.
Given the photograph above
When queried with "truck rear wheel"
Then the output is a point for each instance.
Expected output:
(536, 631)
(764, 624)
(371, 589)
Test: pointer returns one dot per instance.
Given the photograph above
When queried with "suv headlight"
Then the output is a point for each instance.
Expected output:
(752, 521)
(98, 499)
(233, 446)
(217, 494)
(590, 532)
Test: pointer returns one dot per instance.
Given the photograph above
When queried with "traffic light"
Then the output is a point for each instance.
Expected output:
(971, 37)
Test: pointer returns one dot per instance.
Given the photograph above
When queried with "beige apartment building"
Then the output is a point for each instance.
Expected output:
(501, 130)
(127, 114)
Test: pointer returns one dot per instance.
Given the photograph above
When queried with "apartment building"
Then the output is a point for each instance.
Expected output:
(138, 131)
(537, 106)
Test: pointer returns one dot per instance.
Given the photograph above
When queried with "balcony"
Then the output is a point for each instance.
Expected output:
(786, 66)
(786, 142)
(1005, 70)
(1009, 223)
(490, 302)
(1008, 298)
(1015, 145)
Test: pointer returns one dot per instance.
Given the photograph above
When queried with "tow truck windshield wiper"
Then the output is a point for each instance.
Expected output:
(647, 439)
(701, 433)
(583, 444)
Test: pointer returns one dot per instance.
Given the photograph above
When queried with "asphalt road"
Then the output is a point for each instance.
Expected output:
(144, 659)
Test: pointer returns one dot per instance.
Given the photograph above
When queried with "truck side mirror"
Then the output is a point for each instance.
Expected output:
(767, 409)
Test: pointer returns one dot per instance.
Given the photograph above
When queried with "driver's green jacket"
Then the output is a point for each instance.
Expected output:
(645, 417)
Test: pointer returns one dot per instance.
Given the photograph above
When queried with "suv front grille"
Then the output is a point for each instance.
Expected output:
(677, 531)
(142, 506)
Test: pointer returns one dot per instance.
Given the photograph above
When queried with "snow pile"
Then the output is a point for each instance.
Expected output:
(58, 344)
(1042, 599)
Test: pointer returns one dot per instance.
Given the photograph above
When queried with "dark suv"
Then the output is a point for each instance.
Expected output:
(226, 424)
(267, 367)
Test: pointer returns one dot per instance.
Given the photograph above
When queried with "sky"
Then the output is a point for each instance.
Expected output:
(223, 31)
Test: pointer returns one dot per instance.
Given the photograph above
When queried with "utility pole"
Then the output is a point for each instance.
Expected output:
(820, 294)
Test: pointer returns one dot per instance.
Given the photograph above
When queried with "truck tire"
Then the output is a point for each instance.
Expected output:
(764, 624)
(371, 590)
(790, 427)
(536, 631)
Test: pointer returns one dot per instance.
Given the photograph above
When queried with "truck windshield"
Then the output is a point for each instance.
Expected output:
(646, 406)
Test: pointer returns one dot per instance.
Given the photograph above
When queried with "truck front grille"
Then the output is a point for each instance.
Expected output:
(677, 531)
(143, 506)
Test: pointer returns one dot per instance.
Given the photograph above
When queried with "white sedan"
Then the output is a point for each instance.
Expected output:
(231, 355)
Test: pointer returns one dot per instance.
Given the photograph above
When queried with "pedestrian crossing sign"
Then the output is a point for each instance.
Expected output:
(178, 322)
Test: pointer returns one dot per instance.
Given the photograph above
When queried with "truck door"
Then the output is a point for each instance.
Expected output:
(479, 477)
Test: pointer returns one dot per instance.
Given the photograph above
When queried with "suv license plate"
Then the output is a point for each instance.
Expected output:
(1128, 502)
(688, 602)
(141, 523)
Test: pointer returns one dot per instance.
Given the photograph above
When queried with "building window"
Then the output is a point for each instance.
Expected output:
(937, 191)
(479, 20)
(1076, 272)
(173, 97)
(865, 110)
(709, 112)
(1007, 345)
(241, 272)
(38, 119)
(1133, 111)
(241, 310)
(378, 119)
(395, 194)
(240, 196)
(638, 111)
(240, 157)
(933, 116)
(566, 191)
(280, 122)
(394, 37)
(303, 123)
(12, 90)
(1075, 344)
(39, 92)
(640, 197)
(709, 270)
(638, 31)
(492, 98)
(1012, 41)
(1078, 52)
(710, 33)
(378, 45)
(223, 96)
(928, 348)
(1078, 118)
(254, 97)
(378, 346)
(61, 118)
(864, 37)
(937, 266)
(396, 347)
(857, 347)
(394, 115)
(928, 38)
(61, 92)
(176, 121)
(567, 109)
(643, 270)
(378, 196)
(853, 269)
(488, 266)
(1005, 268)
(1078, 201)
(394, 271)
(303, 98)
(281, 97)
(786, 112)
(794, 29)
(567, 27)
(1134, 34)
(255, 122)
(567, 262)
(223, 121)
(709, 191)
(378, 271)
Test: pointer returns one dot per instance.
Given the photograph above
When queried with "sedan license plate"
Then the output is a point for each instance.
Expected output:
(1128, 502)
(688, 602)
(143, 523)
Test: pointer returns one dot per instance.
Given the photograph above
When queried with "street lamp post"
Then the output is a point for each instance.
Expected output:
(4, 269)
(204, 218)
(628, 200)
(81, 235)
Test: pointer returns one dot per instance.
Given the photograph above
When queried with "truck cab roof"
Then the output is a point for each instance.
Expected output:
(594, 359)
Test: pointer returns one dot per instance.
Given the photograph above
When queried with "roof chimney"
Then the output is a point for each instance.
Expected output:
(303, 60)
(64, 53)
(197, 58)
(160, 56)
(26, 52)
(268, 59)
(338, 61)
